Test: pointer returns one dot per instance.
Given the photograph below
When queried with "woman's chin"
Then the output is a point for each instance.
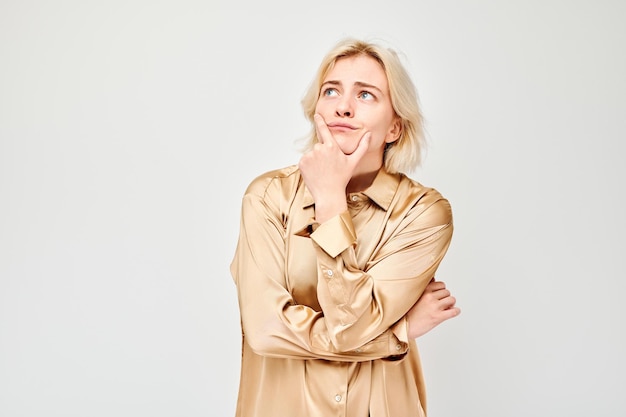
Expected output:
(347, 146)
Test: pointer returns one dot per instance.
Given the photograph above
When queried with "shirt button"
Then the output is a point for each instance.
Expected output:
(329, 273)
(398, 347)
(355, 198)
(337, 397)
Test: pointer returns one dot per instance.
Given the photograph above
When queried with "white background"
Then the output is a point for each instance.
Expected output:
(129, 130)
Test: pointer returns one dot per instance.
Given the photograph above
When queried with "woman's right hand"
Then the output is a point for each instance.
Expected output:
(435, 306)
(326, 171)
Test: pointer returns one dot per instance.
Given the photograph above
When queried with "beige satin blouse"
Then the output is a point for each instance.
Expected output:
(322, 306)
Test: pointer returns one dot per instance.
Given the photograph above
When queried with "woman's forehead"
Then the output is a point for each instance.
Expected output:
(358, 69)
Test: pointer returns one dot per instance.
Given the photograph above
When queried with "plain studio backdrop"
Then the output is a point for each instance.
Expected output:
(130, 129)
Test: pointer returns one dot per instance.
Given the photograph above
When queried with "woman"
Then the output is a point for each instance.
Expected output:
(334, 253)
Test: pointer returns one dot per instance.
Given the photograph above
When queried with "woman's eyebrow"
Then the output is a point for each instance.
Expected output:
(357, 83)
(366, 85)
(331, 82)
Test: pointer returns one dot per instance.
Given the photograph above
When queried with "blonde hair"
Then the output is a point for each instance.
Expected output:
(404, 154)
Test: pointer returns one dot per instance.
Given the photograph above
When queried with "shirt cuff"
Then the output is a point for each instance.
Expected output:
(336, 234)
(399, 341)
(401, 331)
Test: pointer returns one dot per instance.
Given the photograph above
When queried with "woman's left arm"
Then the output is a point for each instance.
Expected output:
(435, 306)
(360, 303)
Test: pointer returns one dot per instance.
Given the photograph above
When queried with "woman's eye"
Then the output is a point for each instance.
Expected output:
(329, 92)
(366, 95)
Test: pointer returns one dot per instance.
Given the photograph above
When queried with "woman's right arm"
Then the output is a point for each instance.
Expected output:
(273, 324)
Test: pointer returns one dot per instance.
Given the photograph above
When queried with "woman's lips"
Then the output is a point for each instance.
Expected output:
(341, 126)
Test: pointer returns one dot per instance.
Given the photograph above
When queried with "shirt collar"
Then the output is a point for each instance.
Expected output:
(381, 191)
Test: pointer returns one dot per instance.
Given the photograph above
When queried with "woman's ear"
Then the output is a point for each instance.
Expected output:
(395, 131)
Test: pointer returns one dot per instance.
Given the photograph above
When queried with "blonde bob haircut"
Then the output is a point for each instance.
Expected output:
(403, 155)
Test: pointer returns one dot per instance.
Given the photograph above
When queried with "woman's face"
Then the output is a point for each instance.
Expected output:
(354, 99)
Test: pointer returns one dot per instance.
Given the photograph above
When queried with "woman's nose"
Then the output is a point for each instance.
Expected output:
(344, 108)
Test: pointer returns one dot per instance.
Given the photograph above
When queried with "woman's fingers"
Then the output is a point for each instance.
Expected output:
(323, 133)
(325, 137)
(441, 294)
(449, 313)
(362, 148)
(447, 302)
(435, 285)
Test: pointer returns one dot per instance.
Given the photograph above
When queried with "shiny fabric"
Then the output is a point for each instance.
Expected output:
(322, 305)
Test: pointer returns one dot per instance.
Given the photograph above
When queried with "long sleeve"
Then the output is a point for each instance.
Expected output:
(364, 282)
(273, 324)
(360, 303)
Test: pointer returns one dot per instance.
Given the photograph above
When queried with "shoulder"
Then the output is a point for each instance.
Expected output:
(275, 179)
(426, 201)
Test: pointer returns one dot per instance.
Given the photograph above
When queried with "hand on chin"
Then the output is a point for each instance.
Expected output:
(347, 145)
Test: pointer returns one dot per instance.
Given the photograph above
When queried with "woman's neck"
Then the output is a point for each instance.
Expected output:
(362, 181)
